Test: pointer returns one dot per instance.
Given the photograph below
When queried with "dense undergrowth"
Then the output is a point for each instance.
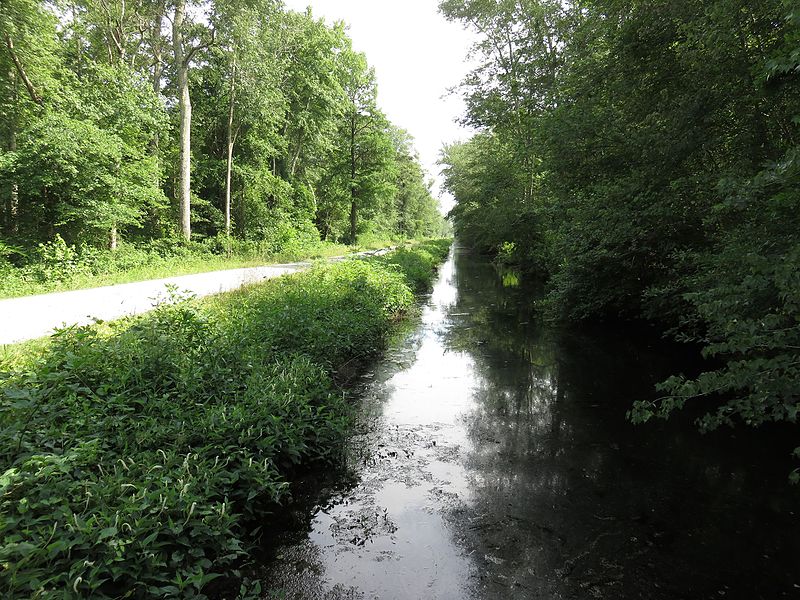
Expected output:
(137, 459)
(58, 266)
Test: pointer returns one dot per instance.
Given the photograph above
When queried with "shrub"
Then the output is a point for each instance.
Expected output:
(417, 262)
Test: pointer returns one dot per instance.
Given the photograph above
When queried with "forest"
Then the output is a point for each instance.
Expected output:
(156, 128)
(642, 159)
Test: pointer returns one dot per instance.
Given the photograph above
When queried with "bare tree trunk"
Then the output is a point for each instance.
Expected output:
(241, 223)
(156, 45)
(185, 105)
(299, 150)
(296, 157)
(353, 217)
(313, 195)
(157, 48)
(231, 142)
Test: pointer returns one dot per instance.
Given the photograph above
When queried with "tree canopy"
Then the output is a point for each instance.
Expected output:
(643, 158)
(143, 119)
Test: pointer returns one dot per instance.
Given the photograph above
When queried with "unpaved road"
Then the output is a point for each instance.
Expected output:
(32, 317)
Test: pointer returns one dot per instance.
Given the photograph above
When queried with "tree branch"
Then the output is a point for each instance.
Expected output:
(202, 46)
(21, 70)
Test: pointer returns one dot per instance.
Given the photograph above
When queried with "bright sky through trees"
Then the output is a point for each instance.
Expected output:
(417, 55)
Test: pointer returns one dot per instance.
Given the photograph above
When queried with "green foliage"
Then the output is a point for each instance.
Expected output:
(417, 262)
(747, 298)
(334, 315)
(89, 130)
(643, 156)
(136, 462)
(130, 461)
(415, 213)
(58, 266)
(359, 184)
(491, 210)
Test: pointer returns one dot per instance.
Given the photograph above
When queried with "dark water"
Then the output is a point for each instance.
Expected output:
(494, 461)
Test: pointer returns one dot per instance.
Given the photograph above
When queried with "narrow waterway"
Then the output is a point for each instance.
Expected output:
(493, 460)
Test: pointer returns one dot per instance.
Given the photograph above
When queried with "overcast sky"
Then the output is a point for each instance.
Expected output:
(417, 56)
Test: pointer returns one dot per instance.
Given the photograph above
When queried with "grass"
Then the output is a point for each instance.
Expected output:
(138, 457)
(22, 355)
(61, 268)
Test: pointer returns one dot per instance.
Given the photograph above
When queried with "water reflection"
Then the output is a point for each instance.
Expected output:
(494, 461)
(576, 502)
(509, 278)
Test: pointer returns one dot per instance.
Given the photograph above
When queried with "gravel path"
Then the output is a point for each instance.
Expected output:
(32, 317)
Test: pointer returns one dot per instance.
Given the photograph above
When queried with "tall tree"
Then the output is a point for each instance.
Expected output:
(249, 56)
(363, 156)
(28, 60)
(184, 48)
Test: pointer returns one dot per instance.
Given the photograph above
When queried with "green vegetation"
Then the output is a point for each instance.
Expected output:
(251, 132)
(644, 159)
(138, 459)
(55, 266)
(415, 263)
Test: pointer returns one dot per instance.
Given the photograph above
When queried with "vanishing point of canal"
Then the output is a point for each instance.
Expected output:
(494, 460)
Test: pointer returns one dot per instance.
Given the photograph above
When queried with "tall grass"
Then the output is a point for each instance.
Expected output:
(136, 460)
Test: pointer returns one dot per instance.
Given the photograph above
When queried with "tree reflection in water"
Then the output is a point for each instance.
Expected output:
(570, 500)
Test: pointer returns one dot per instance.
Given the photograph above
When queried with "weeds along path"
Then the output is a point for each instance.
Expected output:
(31, 317)
(141, 459)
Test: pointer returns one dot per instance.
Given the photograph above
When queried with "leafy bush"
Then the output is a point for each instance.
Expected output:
(333, 314)
(135, 461)
(417, 263)
(745, 309)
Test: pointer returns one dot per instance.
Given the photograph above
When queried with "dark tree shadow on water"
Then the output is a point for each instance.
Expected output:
(570, 500)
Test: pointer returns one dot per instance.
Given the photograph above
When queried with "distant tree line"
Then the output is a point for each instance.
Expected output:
(145, 119)
(643, 157)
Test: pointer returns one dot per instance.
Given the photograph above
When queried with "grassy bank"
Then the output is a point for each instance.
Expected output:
(57, 267)
(136, 459)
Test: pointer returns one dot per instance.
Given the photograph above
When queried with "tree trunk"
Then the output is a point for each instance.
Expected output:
(21, 71)
(241, 223)
(298, 151)
(155, 44)
(185, 106)
(353, 218)
(113, 238)
(231, 142)
(157, 47)
(12, 208)
(353, 194)
(296, 157)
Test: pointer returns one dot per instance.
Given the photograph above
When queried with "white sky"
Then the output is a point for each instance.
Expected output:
(417, 56)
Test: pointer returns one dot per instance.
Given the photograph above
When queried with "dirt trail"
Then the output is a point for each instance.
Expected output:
(32, 317)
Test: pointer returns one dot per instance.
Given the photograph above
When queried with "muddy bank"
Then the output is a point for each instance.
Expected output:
(494, 461)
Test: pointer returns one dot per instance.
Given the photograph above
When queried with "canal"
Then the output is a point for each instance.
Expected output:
(492, 459)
